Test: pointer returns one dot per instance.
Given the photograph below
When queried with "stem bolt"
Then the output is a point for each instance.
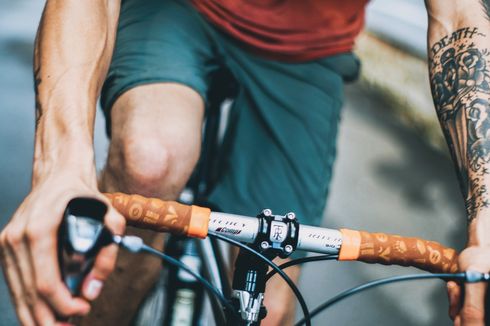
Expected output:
(264, 245)
(267, 212)
(288, 249)
(291, 216)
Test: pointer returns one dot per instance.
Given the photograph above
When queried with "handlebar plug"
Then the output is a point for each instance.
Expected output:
(475, 277)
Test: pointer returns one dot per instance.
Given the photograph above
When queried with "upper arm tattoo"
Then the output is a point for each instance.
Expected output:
(460, 82)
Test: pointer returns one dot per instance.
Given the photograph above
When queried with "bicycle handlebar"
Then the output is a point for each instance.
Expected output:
(195, 221)
(162, 216)
(386, 249)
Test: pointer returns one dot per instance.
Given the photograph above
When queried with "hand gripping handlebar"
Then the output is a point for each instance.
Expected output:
(193, 221)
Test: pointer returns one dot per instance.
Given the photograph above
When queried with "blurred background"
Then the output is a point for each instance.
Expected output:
(393, 173)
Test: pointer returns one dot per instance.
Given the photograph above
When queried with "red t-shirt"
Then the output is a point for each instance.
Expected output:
(291, 30)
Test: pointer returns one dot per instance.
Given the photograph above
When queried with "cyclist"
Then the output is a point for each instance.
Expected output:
(289, 59)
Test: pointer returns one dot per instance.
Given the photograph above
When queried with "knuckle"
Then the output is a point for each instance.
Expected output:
(35, 232)
(45, 288)
(30, 297)
(120, 220)
(32, 234)
(117, 222)
(3, 243)
(13, 237)
(3, 238)
(104, 266)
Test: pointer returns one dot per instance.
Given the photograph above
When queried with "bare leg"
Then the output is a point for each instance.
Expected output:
(156, 138)
(280, 300)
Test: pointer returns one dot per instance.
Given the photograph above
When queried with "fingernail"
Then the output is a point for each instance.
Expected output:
(93, 289)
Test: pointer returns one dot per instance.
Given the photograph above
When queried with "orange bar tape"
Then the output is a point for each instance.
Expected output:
(351, 244)
(198, 224)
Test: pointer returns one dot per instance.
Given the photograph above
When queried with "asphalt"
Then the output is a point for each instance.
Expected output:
(387, 179)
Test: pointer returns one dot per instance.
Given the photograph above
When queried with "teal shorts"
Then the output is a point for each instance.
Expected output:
(285, 116)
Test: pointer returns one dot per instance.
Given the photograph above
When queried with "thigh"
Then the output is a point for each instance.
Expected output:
(159, 41)
(154, 93)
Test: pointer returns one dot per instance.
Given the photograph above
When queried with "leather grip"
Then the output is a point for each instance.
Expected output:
(162, 216)
(381, 248)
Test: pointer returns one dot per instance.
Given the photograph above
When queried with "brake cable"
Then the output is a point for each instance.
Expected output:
(468, 276)
(306, 319)
(135, 244)
(300, 261)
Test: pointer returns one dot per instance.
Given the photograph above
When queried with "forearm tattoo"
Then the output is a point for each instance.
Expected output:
(460, 82)
(37, 82)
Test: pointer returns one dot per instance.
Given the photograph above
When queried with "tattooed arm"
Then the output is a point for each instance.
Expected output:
(459, 67)
(73, 49)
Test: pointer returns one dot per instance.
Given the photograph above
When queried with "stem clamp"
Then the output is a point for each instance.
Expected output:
(278, 235)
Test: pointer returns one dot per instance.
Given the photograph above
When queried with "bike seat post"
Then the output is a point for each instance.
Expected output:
(277, 237)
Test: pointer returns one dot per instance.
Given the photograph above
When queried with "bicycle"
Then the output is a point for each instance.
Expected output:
(260, 239)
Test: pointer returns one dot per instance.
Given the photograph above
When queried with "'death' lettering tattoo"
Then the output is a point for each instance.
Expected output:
(460, 82)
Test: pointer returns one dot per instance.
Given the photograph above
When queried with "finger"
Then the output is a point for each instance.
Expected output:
(41, 311)
(48, 282)
(472, 313)
(103, 266)
(26, 274)
(105, 260)
(454, 297)
(13, 279)
(92, 286)
(115, 221)
(457, 321)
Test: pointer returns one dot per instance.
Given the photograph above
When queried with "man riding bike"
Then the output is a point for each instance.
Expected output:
(288, 58)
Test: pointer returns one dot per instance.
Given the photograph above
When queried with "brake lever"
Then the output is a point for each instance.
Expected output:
(81, 236)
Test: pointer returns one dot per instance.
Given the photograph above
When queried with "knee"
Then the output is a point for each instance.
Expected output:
(142, 164)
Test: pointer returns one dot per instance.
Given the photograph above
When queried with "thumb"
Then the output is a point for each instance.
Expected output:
(454, 297)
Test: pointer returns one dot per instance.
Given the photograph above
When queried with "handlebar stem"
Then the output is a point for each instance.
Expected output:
(277, 236)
